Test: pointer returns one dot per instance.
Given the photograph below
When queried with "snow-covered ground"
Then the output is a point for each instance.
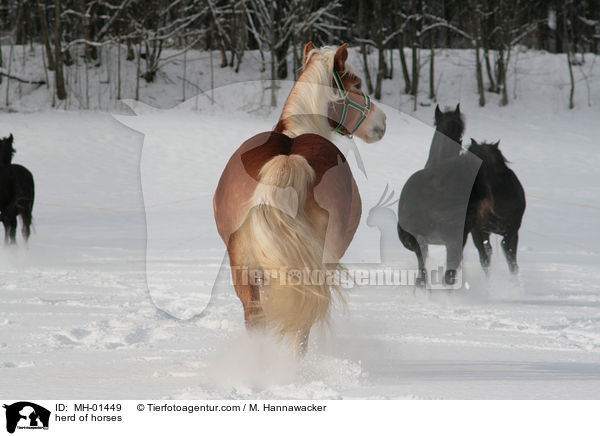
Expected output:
(126, 251)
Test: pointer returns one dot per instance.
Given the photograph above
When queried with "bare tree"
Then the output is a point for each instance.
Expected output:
(61, 92)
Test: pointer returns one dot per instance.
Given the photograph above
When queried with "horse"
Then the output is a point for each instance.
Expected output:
(17, 193)
(439, 203)
(287, 204)
(508, 200)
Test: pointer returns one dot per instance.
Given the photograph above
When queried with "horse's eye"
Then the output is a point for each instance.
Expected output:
(357, 86)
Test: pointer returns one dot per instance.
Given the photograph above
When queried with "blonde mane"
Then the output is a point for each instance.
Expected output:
(305, 110)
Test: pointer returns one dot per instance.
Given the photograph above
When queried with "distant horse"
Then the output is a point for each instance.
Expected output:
(17, 193)
(438, 205)
(287, 199)
(508, 200)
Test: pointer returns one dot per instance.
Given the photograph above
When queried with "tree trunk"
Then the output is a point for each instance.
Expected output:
(415, 69)
(502, 78)
(45, 34)
(363, 46)
(241, 45)
(488, 66)
(90, 51)
(184, 81)
(415, 74)
(273, 56)
(381, 67)
(432, 73)
(405, 73)
(138, 72)
(61, 92)
(119, 70)
(478, 68)
(479, 75)
(130, 51)
(380, 74)
(567, 44)
(281, 57)
(10, 56)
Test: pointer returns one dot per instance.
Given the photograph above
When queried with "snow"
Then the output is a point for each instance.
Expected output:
(101, 303)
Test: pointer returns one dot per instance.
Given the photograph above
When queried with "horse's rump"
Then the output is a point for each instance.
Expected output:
(332, 198)
(24, 186)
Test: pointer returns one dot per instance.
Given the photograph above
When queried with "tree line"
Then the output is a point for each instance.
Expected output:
(75, 29)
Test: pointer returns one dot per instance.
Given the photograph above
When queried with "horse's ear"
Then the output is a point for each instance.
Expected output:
(307, 49)
(339, 60)
(438, 113)
(457, 108)
(496, 144)
(473, 142)
(10, 138)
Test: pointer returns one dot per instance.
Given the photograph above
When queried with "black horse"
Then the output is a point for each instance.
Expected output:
(17, 193)
(503, 212)
(440, 203)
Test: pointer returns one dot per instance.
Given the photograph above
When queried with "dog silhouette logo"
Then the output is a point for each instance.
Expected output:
(26, 415)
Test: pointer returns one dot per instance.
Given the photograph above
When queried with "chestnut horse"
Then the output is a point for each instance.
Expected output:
(287, 205)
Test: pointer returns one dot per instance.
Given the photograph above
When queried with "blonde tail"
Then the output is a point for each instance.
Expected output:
(279, 239)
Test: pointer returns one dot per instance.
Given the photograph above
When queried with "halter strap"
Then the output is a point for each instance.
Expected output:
(348, 102)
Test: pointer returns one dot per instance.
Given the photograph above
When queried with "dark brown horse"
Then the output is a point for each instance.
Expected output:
(287, 205)
(17, 192)
(507, 199)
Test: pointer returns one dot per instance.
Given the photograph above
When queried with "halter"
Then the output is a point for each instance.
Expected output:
(347, 102)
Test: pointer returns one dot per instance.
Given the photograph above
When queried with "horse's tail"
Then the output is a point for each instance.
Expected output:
(281, 243)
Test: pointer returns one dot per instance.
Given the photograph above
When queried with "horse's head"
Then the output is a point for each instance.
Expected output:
(381, 212)
(489, 152)
(450, 123)
(6, 150)
(328, 97)
(353, 113)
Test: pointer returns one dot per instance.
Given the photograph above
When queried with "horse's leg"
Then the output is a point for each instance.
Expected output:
(453, 259)
(247, 292)
(509, 245)
(421, 252)
(10, 225)
(481, 239)
(411, 243)
(3, 220)
(26, 217)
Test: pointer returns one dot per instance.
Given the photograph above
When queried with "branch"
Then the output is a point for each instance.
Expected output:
(18, 79)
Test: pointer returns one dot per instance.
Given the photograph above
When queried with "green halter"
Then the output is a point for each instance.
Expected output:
(347, 102)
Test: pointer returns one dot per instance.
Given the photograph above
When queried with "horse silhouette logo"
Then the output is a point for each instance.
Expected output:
(26, 415)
